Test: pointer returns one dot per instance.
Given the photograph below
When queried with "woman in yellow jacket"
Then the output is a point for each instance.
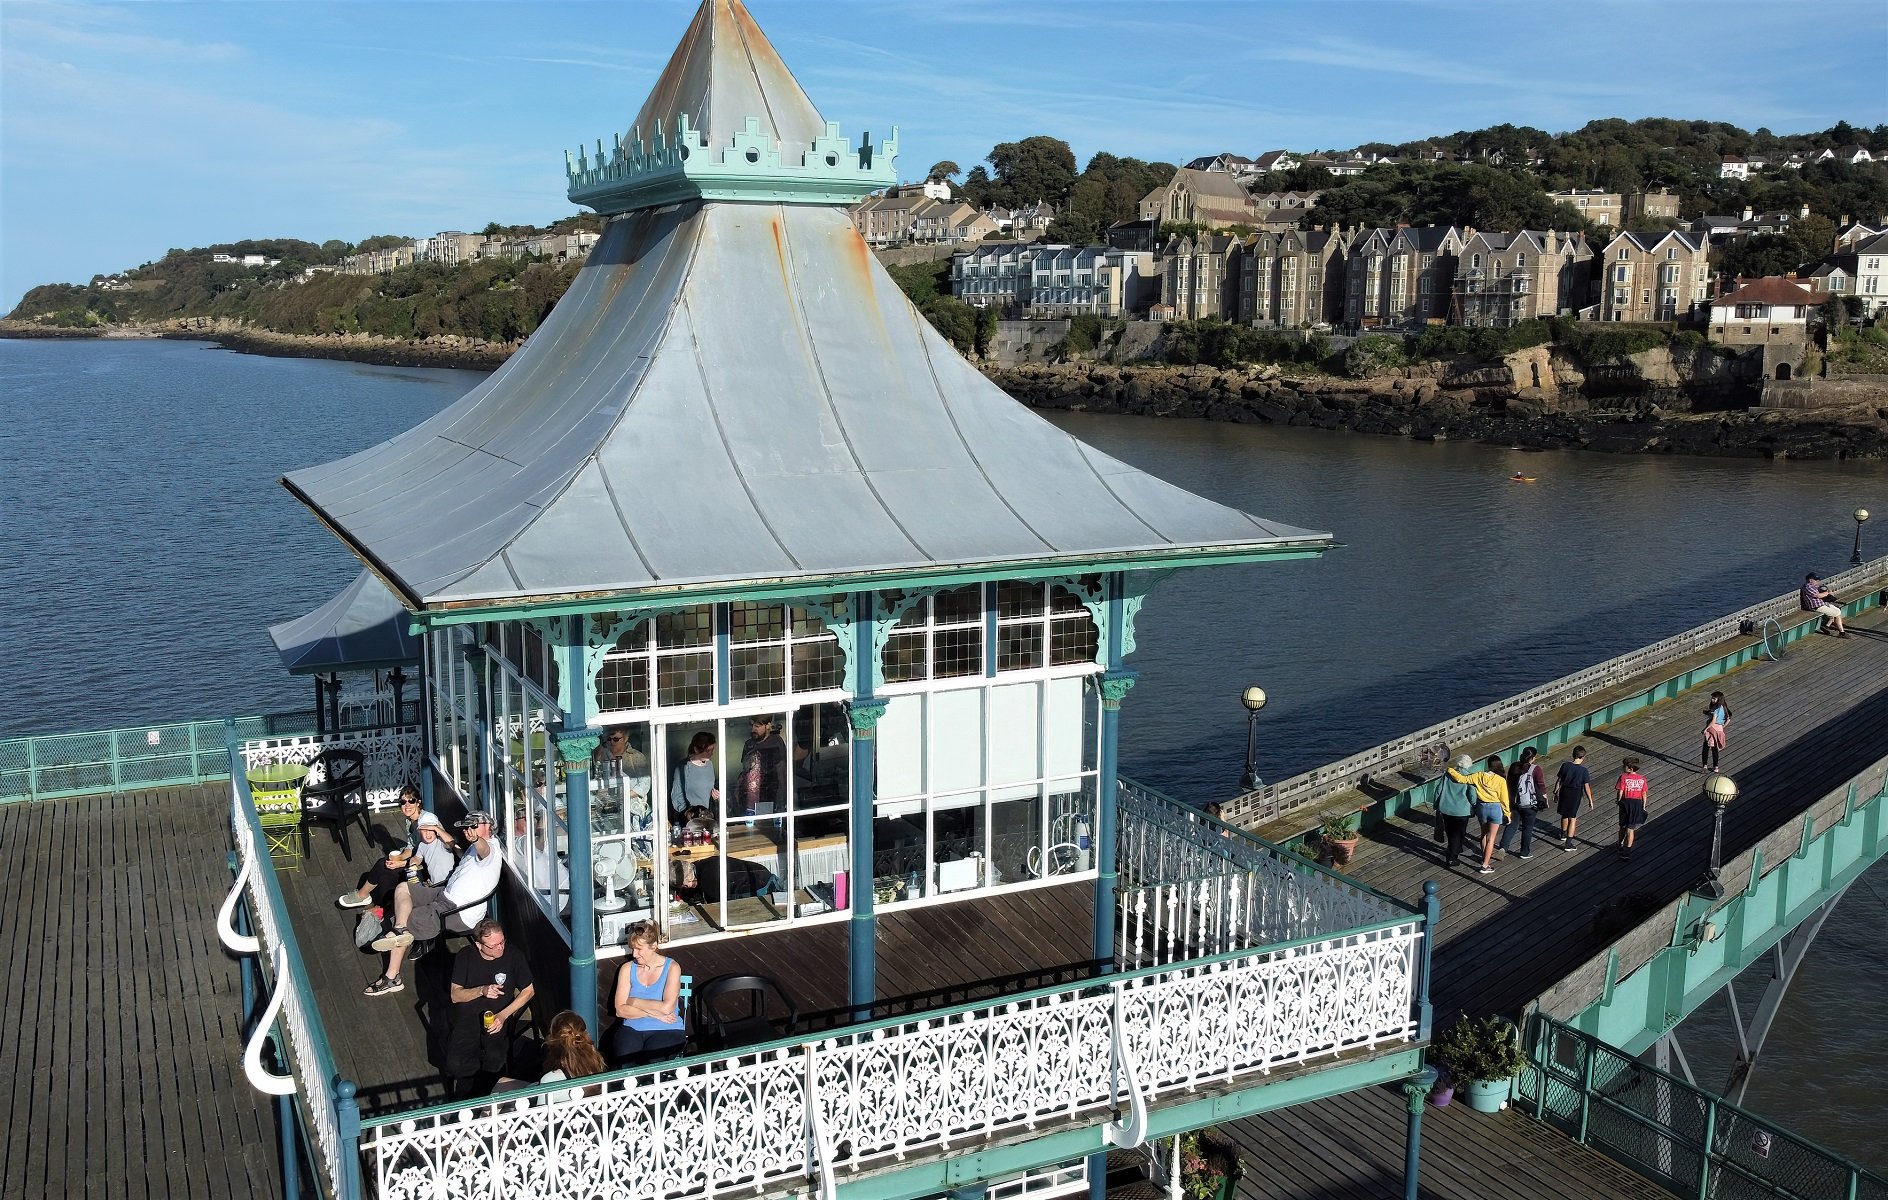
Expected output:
(1491, 807)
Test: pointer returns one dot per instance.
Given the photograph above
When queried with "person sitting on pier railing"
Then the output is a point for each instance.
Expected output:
(1491, 807)
(1821, 601)
(435, 854)
(418, 908)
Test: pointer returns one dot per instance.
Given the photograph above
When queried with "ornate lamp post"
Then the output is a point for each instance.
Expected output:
(1254, 699)
(1721, 791)
(1855, 556)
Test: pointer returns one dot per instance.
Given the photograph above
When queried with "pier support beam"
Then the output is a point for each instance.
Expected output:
(1785, 958)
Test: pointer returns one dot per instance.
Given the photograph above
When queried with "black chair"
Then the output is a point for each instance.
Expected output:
(713, 1031)
(452, 922)
(340, 797)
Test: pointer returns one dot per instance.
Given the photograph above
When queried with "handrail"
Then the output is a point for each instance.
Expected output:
(260, 1077)
(240, 943)
(1131, 1130)
(1265, 804)
(51, 766)
(1764, 627)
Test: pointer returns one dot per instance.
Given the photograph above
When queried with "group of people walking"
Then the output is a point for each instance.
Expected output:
(1509, 799)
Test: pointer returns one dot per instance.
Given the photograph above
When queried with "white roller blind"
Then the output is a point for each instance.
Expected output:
(956, 745)
(1065, 727)
(1016, 719)
(900, 739)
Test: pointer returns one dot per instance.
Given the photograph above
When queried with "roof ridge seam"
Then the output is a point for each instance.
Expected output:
(826, 391)
(760, 87)
(924, 331)
(1083, 450)
(721, 433)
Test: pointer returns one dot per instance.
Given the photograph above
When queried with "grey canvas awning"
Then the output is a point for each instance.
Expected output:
(734, 394)
(362, 629)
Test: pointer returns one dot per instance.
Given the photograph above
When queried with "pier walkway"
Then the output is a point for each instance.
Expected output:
(1804, 727)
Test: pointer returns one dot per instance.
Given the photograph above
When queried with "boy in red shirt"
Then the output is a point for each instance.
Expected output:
(1632, 791)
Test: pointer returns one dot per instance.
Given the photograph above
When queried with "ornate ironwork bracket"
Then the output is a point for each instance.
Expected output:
(237, 943)
(260, 1078)
(1132, 1130)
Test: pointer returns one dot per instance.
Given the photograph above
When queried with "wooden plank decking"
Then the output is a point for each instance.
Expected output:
(1803, 727)
(119, 1024)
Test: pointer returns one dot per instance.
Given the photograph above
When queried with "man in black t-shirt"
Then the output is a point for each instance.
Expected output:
(490, 984)
(765, 752)
(1573, 793)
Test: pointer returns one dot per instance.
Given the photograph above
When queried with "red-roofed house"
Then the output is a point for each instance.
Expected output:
(1763, 312)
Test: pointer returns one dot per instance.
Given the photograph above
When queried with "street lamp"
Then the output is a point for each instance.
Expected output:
(1855, 557)
(1254, 699)
(1721, 791)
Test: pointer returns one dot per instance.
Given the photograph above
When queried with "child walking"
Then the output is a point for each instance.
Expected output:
(1632, 792)
(1717, 720)
(1573, 791)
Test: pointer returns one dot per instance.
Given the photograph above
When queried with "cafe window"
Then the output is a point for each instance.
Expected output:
(776, 648)
(937, 637)
(1042, 624)
(664, 661)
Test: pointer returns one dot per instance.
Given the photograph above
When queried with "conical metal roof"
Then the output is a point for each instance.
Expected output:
(735, 396)
(723, 72)
(363, 628)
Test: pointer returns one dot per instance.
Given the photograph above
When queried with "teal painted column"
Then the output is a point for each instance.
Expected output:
(575, 744)
(864, 712)
(1113, 685)
(574, 750)
(1415, 1093)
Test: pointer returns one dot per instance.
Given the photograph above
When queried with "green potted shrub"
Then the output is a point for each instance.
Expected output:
(1337, 833)
(1483, 1055)
(1209, 1166)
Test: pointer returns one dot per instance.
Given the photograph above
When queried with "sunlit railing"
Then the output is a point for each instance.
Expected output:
(1191, 885)
(785, 1115)
(299, 1021)
(391, 754)
(52, 765)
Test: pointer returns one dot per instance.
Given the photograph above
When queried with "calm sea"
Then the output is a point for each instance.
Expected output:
(148, 547)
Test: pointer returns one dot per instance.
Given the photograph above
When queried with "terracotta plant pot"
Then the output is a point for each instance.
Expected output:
(1341, 849)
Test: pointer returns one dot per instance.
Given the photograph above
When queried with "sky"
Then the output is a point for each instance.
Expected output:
(126, 130)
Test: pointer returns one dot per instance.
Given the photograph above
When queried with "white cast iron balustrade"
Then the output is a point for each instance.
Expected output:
(391, 757)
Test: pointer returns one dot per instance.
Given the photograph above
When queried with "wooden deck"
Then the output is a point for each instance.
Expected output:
(1803, 727)
(119, 1026)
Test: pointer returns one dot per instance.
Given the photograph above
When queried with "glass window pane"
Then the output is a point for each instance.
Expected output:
(904, 657)
(751, 622)
(900, 748)
(888, 601)
(821, 739)
(694, 626)
(1072, 824)
(749, 880)
(1018, 598)
(956, 744)
(898, 852)
(685, 679)
(1015, 711)
(1016, 838)
(1019, 647)
(1073, 639)
(1063, 600)
(818, 665)
(958, 652)
(623, 683)
(1067, 700)
(807, 623)
(958, 605)
(757, 671)
(820, 853)
(956, 847)
(620, 783)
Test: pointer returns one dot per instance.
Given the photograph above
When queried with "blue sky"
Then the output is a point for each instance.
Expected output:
(128, 129)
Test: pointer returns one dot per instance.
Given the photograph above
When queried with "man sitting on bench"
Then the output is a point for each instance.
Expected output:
(418, 909)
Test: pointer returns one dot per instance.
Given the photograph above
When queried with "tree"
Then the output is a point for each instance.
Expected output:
(1036, 168)
(944, 170)
(1764, 254)
(977, 190)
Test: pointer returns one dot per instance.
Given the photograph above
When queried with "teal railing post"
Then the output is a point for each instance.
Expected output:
(32, 768)
(1709, 1148)
(1586, 1088)
(1432, 919)
(288, 1129)
(347, 1125)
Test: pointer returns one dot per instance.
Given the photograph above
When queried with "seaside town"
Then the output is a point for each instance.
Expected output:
(757, 689)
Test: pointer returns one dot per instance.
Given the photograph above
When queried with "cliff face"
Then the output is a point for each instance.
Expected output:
(1674, 400)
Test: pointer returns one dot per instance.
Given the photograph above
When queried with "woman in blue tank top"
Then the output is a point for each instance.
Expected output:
(649, 1001)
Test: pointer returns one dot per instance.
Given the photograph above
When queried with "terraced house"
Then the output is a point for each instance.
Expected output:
(1504, 278)
(1401, 276)
(1655, 276)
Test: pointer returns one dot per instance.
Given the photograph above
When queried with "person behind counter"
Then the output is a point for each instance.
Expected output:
(648, 1000)
(763, 768)
(694, 792)
(622, 771)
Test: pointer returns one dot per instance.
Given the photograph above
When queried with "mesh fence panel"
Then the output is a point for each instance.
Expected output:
(74, 764)
(1658, 1125)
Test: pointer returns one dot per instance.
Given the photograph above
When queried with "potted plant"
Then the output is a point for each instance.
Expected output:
(1338, 835)
(1483, 1055)
(1209, 1166)
(1444, 1090)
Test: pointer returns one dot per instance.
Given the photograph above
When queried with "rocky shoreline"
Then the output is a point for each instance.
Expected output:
(1657, 403)
(1665, 401)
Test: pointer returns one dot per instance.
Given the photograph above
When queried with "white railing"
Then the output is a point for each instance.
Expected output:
(392, 756)
(787, 1116)
(1190, 885)
(306, 1043)
(1269, 803)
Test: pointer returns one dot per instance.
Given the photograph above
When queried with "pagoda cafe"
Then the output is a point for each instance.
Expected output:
(751, 609)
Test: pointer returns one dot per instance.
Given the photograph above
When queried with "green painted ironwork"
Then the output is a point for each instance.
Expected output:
(51, 766)
(1679, 1136)
(1702, 945)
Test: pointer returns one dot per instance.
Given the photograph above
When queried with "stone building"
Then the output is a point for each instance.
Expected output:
(1504, 278)
(1655, 276)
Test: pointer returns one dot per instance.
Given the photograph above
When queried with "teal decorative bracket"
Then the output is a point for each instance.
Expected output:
(749, 167)
(1140, 584)
(1114, 686)
(574, 747)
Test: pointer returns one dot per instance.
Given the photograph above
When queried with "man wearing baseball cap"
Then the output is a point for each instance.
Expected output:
(418, 908)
